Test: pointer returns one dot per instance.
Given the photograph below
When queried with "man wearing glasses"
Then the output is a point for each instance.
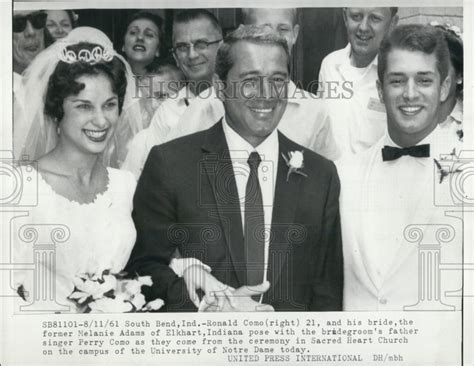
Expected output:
(196, 38)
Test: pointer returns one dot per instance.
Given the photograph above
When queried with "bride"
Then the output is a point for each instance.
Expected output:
(76, 91)
(81, 84)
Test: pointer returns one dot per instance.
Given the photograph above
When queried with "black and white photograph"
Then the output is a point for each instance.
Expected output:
(299, 170)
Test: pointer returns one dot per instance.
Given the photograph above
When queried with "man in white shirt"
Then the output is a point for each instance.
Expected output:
(395, 184)
(303, 120)
(241, 197)
(347, 78)
(196, 38)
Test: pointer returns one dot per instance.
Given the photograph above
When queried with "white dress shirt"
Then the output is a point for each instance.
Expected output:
(240, 151)
(379, 199)
(357, 118)
(164, 120)
(302, 122)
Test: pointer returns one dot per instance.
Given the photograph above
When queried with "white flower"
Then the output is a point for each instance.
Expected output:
(145, 280)
(94, 288)
(154, 305)
(138, 301)
(129, 287)
(296, 159)
(109, 305)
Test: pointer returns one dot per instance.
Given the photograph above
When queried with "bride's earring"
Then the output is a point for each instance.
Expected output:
(58, 130)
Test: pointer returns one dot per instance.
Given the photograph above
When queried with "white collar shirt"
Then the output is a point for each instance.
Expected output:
(351, 102)
(268, 150)
(303, 120)
(163, 121)
(379, 199)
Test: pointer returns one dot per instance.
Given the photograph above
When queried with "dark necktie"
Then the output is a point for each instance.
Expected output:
(254, 224)
(392, 153)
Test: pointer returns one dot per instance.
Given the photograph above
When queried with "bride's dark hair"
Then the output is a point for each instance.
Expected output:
(62, 82)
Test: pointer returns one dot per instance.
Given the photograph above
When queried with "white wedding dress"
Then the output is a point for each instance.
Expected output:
(101, 233)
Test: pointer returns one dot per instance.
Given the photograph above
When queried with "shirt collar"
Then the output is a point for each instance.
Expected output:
(347, 59)
(440, 141)
(240, 149)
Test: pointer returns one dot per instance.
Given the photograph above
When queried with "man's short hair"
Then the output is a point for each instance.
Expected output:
(415, 37)
(393, 11)
(189, 15)
(249, 33)
(246, 12)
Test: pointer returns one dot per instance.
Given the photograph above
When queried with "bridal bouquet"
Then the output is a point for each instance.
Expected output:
(112, 293)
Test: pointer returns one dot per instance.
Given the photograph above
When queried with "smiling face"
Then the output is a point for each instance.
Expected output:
(196, 65)
(27, 43)
(90, 116)
(255, 95)
(58, 23)
(412, 91)
(366, 27)
(141, 42)
(280, 20)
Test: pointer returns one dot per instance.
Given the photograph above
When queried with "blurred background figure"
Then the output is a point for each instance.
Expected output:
(28, 37)
(282, 21)
(60, 22)
(142, 40)
(28, 42)
(165, 80)
(451, 111)
(348, 75)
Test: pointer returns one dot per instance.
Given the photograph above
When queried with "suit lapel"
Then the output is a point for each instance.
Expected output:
(284, 207)
(219, 170)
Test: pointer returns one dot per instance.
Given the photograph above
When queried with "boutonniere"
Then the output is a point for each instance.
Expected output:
(444, 171)
(295, 162)
(460, 134)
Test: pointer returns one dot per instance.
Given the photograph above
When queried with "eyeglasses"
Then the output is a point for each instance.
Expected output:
(199, 45)
(37, 20)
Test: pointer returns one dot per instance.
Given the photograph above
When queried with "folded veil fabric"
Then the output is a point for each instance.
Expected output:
(36, 133)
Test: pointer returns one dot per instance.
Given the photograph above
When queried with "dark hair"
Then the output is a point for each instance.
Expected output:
(456, 54)
(189, 15)
(62, 82)
(72, 17)
(155, 18)
(415, 37)
(249, 33)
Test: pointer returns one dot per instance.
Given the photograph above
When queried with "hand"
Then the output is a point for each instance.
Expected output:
(242, 300)
(216, 292)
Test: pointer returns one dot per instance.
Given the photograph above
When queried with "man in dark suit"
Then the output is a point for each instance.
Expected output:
(242, 198)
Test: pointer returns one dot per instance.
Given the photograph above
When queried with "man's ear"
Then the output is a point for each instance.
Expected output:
(445, 87)
(176, 60)
(219, 87)
(296, 31)
(344, 16)
(380, 90)
(394, 22)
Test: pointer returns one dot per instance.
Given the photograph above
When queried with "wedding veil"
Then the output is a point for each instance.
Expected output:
(36, 132)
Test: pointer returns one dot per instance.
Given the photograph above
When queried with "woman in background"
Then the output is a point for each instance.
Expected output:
(60, 22)
(142, 41)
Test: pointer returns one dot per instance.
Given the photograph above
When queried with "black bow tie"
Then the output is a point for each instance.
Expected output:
(393, 153)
